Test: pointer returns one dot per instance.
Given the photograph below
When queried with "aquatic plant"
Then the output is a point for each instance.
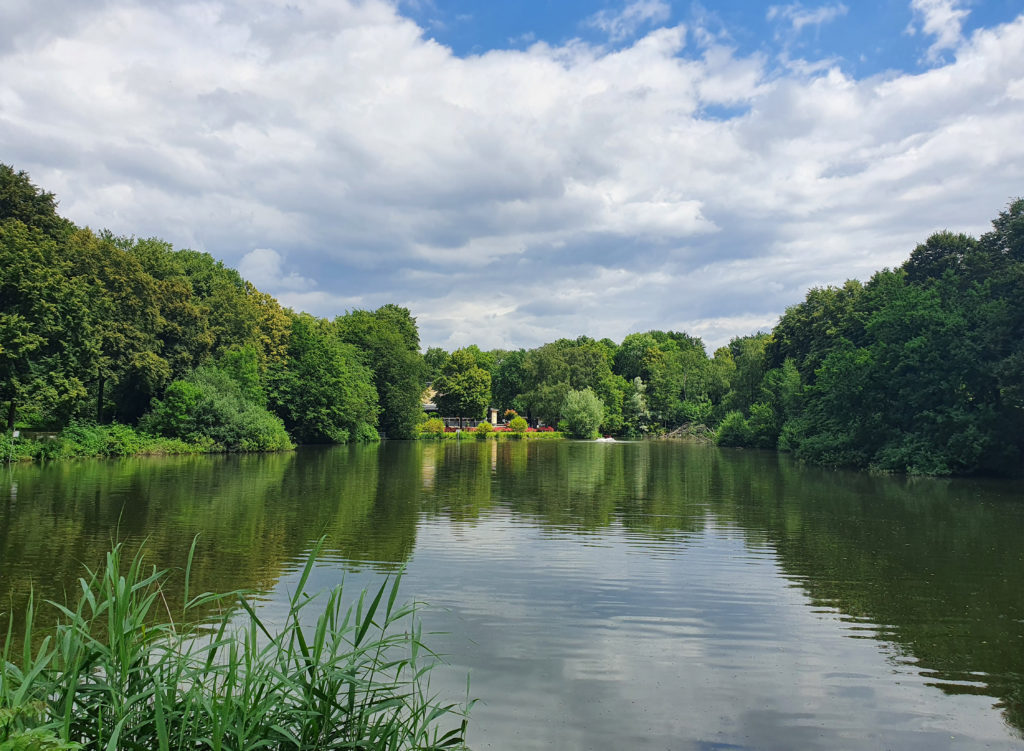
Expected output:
(120, 672)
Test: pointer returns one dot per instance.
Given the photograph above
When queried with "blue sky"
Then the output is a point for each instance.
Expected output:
(862, 37)
(518, 172)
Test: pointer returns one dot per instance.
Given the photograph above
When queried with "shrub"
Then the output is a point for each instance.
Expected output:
(434, 428)
(81, 439)
(510, 415)
(210, 405)
(483, 430)
(16, 449)
(518, 425)
(734, 430)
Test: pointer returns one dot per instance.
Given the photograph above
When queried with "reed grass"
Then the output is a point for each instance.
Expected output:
(122, 672)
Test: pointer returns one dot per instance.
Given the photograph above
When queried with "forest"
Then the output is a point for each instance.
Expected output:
(920, 369)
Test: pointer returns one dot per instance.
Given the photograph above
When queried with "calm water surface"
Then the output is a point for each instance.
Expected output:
(604, 596)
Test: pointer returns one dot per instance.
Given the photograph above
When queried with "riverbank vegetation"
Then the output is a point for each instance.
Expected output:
(920, 369)
(122, 671)
(171, 344)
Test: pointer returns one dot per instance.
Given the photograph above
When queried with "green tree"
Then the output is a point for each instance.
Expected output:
(22, 201)
(551, 371)
(943, 251)
(322, 391)
(463, 388)
(182, 325)
(508, 380)
(583, 412)
(46, 343)
(434, 361)
(124, 315)
(637, 356)
(635, 414)
(388, 342)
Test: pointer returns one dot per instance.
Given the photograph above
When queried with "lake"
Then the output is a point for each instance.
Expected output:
(648, 595)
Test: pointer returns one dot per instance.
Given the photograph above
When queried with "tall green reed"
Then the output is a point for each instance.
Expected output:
(122, 672)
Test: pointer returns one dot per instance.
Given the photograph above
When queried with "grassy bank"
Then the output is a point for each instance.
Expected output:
(122, 672)
(92, 441)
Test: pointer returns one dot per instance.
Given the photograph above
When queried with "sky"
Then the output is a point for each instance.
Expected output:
(514, 173)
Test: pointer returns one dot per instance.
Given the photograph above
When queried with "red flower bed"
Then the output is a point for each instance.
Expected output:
(503, 429)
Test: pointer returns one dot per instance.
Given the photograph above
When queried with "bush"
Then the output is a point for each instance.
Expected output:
(16, 449)
(433, 428)
(518, 424)
(483, 430)
(734, 430)
(117, 675)
(583, 412)
(210, 406)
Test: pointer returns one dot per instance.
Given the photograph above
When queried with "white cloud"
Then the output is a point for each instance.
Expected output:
(942, 19)
(511, 197)
(800, 17)
(633, 17)
(263, 267)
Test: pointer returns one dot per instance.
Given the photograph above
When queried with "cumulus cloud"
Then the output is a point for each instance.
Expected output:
(511, 197)
(264, 268)
(942, 19)
(625, 23)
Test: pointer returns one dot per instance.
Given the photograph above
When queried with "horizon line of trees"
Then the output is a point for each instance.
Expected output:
(96, 328)
(920, 369)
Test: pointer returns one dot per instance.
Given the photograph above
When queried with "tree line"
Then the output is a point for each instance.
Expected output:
(920, 369)
(99, 328)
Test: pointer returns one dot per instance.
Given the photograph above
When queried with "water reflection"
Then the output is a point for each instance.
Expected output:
(617, 593)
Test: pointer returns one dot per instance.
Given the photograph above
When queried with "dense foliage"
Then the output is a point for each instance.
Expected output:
(583, 412)
(99, 329)
(920, 369)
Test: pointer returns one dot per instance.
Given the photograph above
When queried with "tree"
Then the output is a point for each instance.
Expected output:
(124, 315)
(388, 343)
(635, 414)
(508, 379)
(24, 202)
(434, 361)
(637, 356)
(46, 343)
(182, 325)
(463, 388)
(583, 411)
(550, 372)
(322, 391)
(941, 252)
(733, 430)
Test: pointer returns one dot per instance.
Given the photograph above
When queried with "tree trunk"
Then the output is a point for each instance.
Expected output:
(11, 409)
(99, 398)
